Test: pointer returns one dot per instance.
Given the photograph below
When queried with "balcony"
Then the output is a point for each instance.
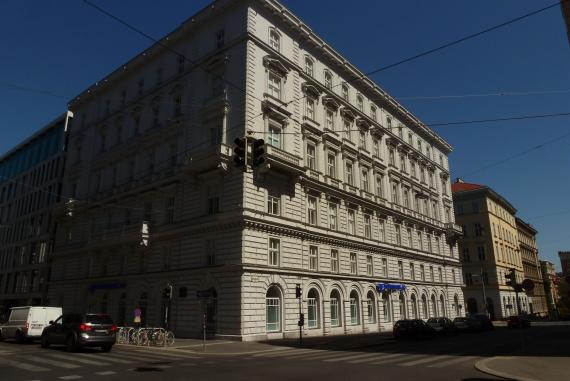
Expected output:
(453, 232)
(280, 159)
(216, 156)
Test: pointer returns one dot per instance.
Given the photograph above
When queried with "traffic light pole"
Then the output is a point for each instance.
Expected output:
(300, 326)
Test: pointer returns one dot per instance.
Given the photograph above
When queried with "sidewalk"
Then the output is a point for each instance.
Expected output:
(527, 368)
(228, 347)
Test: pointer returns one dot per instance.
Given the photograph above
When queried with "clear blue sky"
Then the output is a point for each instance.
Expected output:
(64, 46)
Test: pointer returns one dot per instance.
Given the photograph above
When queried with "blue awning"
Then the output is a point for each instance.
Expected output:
(381, 287)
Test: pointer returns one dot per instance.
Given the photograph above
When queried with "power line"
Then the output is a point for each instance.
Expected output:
(31, 89)
(521, 153)
(466, 38)
(444, 46)
(497, 94)
(523, 117)
(160, 43)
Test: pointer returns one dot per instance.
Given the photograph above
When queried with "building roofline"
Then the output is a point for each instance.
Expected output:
(526, 225)
(292, 20)
(488, 191)
(41, 131)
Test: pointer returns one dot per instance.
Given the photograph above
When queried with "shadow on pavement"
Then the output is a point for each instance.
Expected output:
(535, 341)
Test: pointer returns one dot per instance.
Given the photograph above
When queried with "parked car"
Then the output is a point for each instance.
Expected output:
(413, 329)
(81, 330)
(442, 326)
(28, 323)
(486, 323)
(518, 321)
(467, 324)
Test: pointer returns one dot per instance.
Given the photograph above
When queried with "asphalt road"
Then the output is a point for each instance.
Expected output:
(450, 358)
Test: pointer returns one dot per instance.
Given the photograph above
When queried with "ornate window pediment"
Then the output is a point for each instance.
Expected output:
(276, 65)
(363, 123)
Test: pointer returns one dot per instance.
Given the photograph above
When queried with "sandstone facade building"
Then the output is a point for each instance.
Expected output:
(354, 195)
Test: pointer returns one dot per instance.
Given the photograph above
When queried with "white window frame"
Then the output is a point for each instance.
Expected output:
(313, 258)
(312, 213)
(274, 84)
(353, 260)
(274, 39)
(274, 251)
(369, 265)
(334, 261)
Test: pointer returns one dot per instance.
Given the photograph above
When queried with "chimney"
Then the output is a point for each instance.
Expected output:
(459, 180)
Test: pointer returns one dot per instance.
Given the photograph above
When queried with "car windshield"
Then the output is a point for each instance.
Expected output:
(98, 319)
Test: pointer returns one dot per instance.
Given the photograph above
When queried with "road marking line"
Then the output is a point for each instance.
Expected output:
(75, 359)
(165, 354)
(208, 344)
(280, 352)
(400, 357)
(353, 357)
(423, 361)
(381, 357)
(325, 354)
(452, 361)
(23, 365)
(310, 352)
(105, 358)
(72, 377)
(106, 373)
(53, 362)
(133, 357)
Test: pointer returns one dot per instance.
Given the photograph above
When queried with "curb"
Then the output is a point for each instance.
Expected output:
(482, 366)
(194, 352)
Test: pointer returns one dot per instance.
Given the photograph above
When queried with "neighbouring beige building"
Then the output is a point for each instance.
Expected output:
(550, 287)
(537, 302)
(489, 249)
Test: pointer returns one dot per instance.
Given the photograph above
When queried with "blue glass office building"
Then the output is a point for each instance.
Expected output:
(30, 185)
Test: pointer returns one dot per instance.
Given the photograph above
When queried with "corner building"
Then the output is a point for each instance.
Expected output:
(354, 194)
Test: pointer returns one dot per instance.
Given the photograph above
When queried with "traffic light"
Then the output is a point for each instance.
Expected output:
(298, 291)
(511, 278)
(258, 152)
(167, 294)
(301, 319)
(240, 153)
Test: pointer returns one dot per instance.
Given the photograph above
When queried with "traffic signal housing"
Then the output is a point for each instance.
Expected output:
(240, 153)
(301, 319)
(298, 291)
(167, 293)
(258, 152)
(511, 278)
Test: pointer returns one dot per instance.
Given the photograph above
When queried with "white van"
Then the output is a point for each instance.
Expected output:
(28, 322)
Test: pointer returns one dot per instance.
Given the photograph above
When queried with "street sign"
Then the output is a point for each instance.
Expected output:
(204, 294)
(528, 284)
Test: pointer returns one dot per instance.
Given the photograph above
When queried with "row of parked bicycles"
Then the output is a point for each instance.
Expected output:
(145, 336)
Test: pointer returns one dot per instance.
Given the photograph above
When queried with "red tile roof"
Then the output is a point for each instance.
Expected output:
(462, 187)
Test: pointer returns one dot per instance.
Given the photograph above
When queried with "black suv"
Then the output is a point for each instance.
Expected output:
(442, 325)
(81, 330)
(413, 329)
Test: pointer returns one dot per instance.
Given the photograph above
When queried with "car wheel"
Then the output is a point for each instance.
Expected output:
(106, 348)
(44, 342)
(20, 337)
(70, 344)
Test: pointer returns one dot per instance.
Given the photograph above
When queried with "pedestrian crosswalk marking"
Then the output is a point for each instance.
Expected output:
(281, 352)
(23, 365)
(399, 357)
(132, 358)
(425, 360)
(111, 358)
(106, 373)
(73, 358)
(353, 357)
(72, 377)
(452, 361)
(59, 364)
(309, 354)
(379, 356)
(164, 354)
